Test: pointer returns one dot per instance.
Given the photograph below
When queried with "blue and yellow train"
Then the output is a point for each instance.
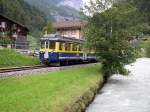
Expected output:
(64, 50)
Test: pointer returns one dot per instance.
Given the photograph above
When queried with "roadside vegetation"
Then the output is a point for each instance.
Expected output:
(48, 92)
(112, 31)
(12, 58)
(143, 47)
(148, 48)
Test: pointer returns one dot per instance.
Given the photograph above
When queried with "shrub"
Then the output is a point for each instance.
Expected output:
(5, 40)
(148, 50)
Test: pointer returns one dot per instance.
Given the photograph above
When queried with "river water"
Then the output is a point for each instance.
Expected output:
(126, 94)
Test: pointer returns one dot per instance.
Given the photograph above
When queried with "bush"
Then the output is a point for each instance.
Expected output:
(5, 40)
(148, 51)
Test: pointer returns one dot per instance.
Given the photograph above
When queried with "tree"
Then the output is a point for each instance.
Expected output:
(108, 31)
(144, 8)
(48, 29)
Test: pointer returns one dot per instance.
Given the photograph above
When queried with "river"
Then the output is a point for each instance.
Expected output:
(126, 94)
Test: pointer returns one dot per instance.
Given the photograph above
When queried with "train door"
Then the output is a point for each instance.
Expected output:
(46, 55)
(84, 56)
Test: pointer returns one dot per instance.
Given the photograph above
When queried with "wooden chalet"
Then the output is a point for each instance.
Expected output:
(15, 31)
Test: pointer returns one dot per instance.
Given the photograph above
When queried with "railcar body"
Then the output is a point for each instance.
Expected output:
(64, 50)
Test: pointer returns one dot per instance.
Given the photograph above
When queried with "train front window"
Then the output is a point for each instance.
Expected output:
(42, 45)
(52, 45)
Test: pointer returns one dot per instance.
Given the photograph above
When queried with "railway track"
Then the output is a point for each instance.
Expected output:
(6, 70)
(33, 70)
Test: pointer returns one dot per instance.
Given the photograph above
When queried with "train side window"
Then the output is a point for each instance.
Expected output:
(52, 45)
(80, 47)
(42, 45)
(75, 47)
(68, 47)
(62, 46)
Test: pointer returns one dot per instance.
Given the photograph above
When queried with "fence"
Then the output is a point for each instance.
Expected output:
(16, 46)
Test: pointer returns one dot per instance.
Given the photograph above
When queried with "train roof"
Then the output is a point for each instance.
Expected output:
(61, 39)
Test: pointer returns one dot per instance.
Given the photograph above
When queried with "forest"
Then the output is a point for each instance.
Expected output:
(24, 13)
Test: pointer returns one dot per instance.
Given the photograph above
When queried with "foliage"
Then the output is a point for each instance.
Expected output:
(148, 51)
(108, 33)
(52, 8)
(142, 46)
(147, 47)
(47, 92)
(33, 42)
(144, 8)
(48, 29)
(12, 58)
(5, 40)
(23, 13)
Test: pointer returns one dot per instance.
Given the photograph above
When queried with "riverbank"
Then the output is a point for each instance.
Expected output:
(51, 92)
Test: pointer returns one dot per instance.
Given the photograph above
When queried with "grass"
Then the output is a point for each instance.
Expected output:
(144, 42)
(11, 58)
(50, 92)
(142, 45)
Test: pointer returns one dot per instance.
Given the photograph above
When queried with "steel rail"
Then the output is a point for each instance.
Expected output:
(15, 69)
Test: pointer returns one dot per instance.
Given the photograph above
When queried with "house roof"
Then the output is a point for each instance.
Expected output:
(13, 21)
(69, 24)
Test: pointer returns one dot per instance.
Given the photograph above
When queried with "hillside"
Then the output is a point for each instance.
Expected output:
(23, 13)
(12, 58)
(57, 8)
(72, 3)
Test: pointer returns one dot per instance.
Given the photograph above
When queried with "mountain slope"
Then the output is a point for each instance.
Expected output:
(76, 4)
(56, 8)
(22, 12)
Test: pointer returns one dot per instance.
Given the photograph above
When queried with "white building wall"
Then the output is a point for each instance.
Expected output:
(71, 33)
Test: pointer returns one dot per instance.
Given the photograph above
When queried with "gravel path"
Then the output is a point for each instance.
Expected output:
(126, 94)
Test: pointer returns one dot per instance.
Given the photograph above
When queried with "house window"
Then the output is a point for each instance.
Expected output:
(3, 24)
(14, 35)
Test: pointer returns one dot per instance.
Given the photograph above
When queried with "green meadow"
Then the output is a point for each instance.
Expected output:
(48, 92)
(12, 58)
